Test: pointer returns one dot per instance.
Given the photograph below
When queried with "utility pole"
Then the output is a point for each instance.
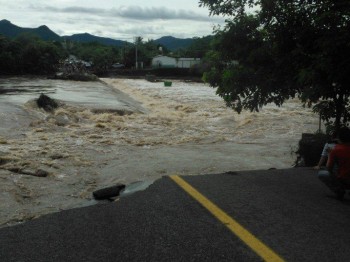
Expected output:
(136, 62)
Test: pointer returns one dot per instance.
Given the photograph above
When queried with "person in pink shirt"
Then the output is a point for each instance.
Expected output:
(337, 175)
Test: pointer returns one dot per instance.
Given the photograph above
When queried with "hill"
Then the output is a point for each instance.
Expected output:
(10, 30)
(87, 38)
(173, 43)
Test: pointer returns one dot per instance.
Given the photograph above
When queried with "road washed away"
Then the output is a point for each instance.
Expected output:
(124, 131)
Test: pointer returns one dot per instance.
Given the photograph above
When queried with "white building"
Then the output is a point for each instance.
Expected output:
(187, 62)
(162, 61)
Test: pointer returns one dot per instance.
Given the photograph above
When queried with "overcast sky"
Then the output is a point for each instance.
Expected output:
(121, 20)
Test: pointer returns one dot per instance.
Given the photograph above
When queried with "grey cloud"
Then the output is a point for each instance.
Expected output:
(139, 13)
(77, 9)
(134, 12)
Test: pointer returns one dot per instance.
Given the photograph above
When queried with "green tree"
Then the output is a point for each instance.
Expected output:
(285, 49)
(40, 57)
(27, 54)
(100, 55)
(149, 50)
(146, 50)
(199, 47)
(7, 58)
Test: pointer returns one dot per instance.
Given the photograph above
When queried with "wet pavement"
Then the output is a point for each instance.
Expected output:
(94, 94)
(17, 91)
(287, 210)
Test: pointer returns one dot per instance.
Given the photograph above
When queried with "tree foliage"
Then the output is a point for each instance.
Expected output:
(286, 48)
(197, 49)
(101, 56)
(27, 54)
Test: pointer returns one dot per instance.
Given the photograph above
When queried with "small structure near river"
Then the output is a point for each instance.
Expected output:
(162, 61)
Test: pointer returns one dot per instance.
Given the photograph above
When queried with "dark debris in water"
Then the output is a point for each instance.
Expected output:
(47, 103)
(108, 192)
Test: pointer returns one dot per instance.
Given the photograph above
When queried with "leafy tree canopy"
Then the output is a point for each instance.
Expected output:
(27, 54)
(197, 49)
(286, 48)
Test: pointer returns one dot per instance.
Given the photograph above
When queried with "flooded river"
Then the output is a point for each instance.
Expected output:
(122, 130)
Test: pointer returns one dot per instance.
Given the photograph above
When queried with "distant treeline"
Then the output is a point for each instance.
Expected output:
(28, 54)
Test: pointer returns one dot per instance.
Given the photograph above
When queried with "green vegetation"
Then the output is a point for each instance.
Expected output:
(101, 56)
(28, 54)
(41, 51)
(285, 49)
(197, 49)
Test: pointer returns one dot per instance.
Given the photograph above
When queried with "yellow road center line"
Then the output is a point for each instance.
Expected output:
(248, 238)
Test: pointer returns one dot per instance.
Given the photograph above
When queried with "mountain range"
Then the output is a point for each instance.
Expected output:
(10, 30)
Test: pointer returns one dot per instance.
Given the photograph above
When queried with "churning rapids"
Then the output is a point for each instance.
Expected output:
(122, 130)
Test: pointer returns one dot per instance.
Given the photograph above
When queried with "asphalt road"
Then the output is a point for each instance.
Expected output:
(289, 211)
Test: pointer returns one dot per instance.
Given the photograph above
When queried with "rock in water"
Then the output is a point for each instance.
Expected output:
(41, 173)
(47, 103)
(108, 192)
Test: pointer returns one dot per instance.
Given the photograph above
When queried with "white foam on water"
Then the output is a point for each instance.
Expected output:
(182, 129)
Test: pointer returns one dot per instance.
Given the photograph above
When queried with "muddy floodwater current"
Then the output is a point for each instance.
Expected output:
(126, 131)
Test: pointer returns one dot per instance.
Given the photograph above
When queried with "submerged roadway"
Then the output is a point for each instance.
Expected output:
(271, 215)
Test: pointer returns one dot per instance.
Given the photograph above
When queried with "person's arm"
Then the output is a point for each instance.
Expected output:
(323, 157)
(321, 162)
(330, 162)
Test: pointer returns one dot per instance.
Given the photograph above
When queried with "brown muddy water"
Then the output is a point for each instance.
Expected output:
(124, 131)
